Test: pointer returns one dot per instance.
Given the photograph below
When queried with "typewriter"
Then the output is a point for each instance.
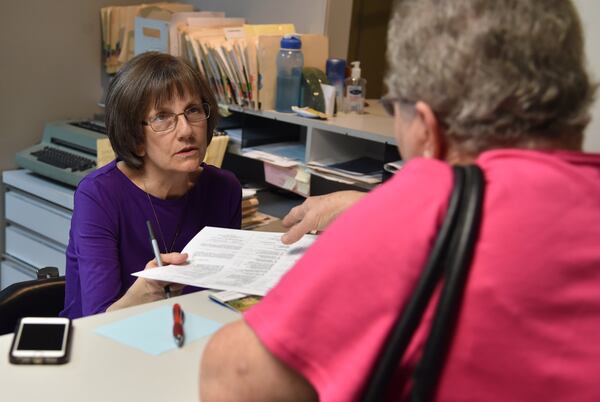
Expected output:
(67, 152)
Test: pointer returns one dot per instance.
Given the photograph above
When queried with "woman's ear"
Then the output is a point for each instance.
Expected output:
(434, 144)
(140, 150)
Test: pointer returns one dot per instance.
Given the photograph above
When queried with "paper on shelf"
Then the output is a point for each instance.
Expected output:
(285, 177)
(333, 177)
(393, 167)
(248, 193)
(324, 167)
(302, 176)
(284, 154)
(303, 188)
(228, 259)
(267, 157)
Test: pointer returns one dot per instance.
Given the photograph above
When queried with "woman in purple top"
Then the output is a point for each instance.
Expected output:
(160, 115)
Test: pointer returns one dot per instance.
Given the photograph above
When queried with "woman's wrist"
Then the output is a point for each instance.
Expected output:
(138, 293)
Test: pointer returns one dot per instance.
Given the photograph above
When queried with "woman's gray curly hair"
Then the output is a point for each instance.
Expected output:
(497, 73)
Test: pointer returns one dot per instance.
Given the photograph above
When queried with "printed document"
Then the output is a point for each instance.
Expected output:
(228, 259)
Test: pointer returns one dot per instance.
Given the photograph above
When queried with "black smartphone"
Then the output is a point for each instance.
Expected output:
(41, 340)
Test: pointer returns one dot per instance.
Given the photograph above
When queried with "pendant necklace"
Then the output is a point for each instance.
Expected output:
(162, 237)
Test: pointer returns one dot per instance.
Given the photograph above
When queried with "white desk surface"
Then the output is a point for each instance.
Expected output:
(101, 369)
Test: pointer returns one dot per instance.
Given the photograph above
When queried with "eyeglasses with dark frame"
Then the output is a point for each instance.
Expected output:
(388, 103)
(166, 121)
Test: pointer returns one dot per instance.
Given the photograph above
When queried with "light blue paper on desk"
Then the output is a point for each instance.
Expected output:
(152, 331)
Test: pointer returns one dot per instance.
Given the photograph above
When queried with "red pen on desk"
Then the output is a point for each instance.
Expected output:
(178, 318)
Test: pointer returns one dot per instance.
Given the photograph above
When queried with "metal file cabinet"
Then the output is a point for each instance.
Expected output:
(38, 218)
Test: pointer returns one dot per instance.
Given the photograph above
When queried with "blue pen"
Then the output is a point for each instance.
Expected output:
(156, 251)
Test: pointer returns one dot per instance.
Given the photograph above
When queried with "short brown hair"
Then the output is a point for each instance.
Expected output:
(150, 80)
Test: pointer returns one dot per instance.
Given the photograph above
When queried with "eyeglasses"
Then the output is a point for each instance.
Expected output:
(165, 121)
(388, 103)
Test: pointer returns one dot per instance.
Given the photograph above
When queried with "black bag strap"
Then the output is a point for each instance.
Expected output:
(451, 257)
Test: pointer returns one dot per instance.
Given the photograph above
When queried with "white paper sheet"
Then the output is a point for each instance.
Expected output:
(228, 259)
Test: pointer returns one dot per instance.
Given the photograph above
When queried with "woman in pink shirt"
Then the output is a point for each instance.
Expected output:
(498, 83)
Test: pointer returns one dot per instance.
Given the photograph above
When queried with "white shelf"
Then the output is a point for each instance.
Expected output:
(343, 137)
(373, 125)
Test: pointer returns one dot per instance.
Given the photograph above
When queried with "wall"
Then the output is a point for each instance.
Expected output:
(337, 27)
(50, 69)
(329, 17)
(589, 11)
(368, 42)
(307, 15)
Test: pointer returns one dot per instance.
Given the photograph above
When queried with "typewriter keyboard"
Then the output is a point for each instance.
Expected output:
(63, 160)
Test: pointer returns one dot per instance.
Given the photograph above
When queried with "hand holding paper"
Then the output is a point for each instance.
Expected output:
(229, 259)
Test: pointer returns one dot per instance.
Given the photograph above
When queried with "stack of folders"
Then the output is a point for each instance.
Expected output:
(251, 217)
(118, 23)
(236, 57)
(283, 165)
(216, 46)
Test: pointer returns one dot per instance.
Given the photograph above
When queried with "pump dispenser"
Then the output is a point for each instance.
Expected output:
(356, 90)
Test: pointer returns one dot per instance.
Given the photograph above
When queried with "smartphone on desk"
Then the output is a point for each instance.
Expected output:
(41, 340)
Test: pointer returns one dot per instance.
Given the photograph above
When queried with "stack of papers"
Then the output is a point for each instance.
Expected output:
(363, 170)
(237, 260)
(283, 154)
(393, 167)
(117, 25)
(251, 217)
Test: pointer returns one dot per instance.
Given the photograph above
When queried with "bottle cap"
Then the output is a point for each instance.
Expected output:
(291, 42)
(355, 69)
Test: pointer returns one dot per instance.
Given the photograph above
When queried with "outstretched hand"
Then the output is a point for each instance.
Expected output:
(316, 213)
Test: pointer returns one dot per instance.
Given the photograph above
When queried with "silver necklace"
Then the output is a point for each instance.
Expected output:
(162, 236)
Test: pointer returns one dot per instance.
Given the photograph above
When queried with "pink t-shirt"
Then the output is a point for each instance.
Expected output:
(529, 328)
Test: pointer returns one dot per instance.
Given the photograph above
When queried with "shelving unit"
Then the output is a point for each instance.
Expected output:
(344, 137)
(374, 125)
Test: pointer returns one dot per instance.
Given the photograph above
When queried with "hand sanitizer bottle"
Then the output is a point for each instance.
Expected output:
(356, 90)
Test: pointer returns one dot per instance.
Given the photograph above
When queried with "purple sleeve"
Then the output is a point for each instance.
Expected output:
(230, 191)
(236, 206)
(94, 232)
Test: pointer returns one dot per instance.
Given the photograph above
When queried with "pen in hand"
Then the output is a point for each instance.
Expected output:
(178, 318)
(156, 251)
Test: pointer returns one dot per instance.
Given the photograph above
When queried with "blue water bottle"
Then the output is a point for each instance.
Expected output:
(290, 62)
